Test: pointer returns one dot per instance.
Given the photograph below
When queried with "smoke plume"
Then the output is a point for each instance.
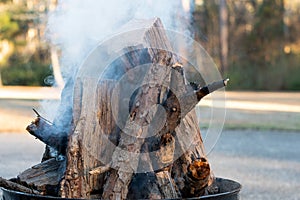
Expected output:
(77, 26)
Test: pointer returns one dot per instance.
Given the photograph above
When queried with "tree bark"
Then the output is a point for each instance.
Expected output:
(86, 145)
(126, 157)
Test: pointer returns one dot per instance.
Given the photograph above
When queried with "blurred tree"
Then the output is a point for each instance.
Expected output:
(23, 31)
(8, 29)
(207, 27)
(263, 41)
(264, 45)
(223, 13)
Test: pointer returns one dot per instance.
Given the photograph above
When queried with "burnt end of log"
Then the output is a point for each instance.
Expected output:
(202, 92)
(196, 179)
(48, 134)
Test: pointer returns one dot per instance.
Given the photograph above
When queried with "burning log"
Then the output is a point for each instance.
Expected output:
(105, 150)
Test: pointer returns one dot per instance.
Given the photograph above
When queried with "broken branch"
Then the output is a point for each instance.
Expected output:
(45, 131)
(100, 170)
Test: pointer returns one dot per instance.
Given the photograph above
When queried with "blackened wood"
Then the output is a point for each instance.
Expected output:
(48, 134)
(16, 187)
(44, 177)
(144, 186)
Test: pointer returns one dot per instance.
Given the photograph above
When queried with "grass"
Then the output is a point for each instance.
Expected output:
(17, 114)
(261, 120)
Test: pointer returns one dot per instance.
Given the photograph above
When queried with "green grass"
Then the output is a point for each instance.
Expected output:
(261, 120)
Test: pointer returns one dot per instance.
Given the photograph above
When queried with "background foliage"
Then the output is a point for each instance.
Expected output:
(24, 53)
(263, 41)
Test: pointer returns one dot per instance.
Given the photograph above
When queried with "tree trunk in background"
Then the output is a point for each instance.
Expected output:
(223, 12)
(1, 84)
(56, 67)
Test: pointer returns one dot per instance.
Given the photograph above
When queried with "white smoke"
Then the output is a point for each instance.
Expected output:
(76, 26)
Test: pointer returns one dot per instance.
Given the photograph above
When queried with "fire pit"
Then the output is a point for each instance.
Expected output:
(229, 190)
(127, 130)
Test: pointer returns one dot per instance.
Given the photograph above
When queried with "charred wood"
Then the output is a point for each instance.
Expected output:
(48, 134)
(44, 177)
(16, 187)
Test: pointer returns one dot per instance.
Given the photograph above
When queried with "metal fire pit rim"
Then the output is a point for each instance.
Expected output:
(211, 196)
(221, 194)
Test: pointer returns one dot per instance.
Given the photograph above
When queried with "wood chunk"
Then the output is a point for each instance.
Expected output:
(16, 187)
(91, 143)
(44, 177)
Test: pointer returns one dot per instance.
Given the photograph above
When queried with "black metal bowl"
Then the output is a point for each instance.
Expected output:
(228, 190)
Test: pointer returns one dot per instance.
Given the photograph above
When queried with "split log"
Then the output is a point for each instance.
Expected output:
(88, 143)
(126, 156)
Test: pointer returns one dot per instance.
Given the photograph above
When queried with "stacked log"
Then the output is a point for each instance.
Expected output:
(154, 151)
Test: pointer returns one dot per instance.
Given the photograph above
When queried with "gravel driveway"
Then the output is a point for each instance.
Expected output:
(266, 163)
